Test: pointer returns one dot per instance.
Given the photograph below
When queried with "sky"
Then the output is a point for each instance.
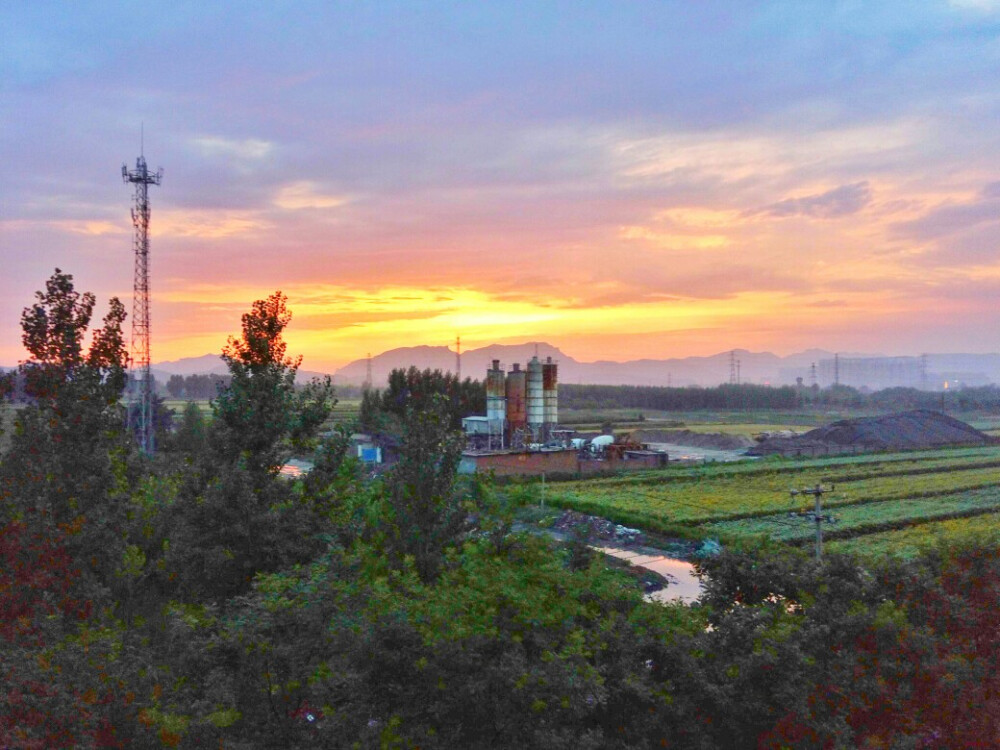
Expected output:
(621, 179)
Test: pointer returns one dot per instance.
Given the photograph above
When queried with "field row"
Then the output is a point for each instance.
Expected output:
(821, 468)
(890, 502)
(909, 541)
(726, 497)
(854, 520)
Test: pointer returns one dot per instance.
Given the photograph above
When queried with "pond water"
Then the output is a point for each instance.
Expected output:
(684, 586)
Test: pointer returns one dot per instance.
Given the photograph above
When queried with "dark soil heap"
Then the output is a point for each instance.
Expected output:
(921, 428)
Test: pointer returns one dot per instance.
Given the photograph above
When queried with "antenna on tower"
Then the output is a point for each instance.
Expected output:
(732, 367)
(367, 385)
(812, 375)
(140, 400)
(458, 358)
(836, 369)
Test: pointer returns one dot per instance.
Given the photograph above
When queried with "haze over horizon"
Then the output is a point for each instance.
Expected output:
(622, 181)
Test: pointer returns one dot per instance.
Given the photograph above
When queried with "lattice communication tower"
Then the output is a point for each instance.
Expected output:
(141, 390)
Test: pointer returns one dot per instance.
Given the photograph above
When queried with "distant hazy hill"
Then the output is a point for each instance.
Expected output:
(754, 367)
(208, 364)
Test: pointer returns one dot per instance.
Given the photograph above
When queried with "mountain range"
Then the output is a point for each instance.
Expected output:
(750, 367)
(753, 367)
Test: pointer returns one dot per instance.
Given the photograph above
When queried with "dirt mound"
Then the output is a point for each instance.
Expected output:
(717, 440)
(921, 428)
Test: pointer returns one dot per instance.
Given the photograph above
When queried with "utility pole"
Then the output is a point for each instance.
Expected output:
(816, 514)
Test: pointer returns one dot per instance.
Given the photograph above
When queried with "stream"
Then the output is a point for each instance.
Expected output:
(683, 585)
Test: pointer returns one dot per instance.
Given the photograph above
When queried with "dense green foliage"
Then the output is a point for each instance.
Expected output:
(195, 387)
(383, 411)
(199, 599)
(659, 398)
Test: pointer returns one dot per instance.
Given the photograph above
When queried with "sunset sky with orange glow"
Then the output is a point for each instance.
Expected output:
(622, 180)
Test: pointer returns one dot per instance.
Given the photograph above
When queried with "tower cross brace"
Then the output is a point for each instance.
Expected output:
(141, 393)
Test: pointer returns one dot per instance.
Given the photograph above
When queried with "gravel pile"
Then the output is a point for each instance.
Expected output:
(921, 428)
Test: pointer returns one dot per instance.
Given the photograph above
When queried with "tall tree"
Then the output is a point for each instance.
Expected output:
(64, 467)
(427, 512)
(238, 517)
(261, 413)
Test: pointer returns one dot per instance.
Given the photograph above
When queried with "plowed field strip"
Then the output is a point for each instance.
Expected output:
(744, 497)
(819, 468)
(910, 540)
(861, 519)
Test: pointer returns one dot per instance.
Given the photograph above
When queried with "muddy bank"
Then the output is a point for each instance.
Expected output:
(715, 440)
(911, 430)
(663, 566)
(598, 531)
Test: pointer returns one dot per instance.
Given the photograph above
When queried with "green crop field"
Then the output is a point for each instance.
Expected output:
(177, 405)
(346, 409)
(908, 541)
(875, 495)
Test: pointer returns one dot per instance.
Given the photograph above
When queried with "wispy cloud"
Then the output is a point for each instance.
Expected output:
(306, 194)
(208, 225)
(218, 146)
(952, 216)
(832, 204)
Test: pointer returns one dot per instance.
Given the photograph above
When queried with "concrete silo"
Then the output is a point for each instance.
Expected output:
(536, 399)
(496, 403)
(517, 389)
(550, 395)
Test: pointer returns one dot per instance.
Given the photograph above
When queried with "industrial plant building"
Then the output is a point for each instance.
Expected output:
(522, 407)
(520, 434)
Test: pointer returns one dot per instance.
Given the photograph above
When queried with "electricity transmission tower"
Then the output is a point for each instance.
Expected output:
(367, 385)
(140, 404)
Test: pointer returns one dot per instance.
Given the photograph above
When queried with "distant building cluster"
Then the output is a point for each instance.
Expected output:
(929, 372)
(520, 433)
